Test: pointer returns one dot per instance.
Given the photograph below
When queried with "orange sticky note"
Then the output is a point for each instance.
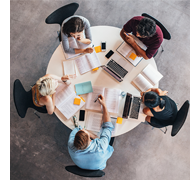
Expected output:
(95, 69)
(77, 101)
(98, 49)
(133, 56)
(119, 120)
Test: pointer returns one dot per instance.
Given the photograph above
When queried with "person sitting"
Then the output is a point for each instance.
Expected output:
(74, 27)
(146, 30)
(161, 110)
(92, 154)
(43, 92)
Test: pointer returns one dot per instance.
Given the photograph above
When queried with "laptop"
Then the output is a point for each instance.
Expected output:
(131, 106)
(117, 67)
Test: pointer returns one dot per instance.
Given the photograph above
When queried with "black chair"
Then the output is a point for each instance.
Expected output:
(59, 15)
(23, 100)
(166, 34)
(179, 120)
(84, 173)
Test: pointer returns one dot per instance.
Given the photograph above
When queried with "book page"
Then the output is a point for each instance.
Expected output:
(93, 60)
(94, 121)
(62, 93)
(142, 83)
(90, 104)
(124, 49)
(64, 101)
(69, 67)
(87, 62)
(152, 74)
(112, 99)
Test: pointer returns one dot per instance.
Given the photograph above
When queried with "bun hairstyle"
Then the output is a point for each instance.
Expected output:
(152, 99)
(73, 25)
(46, 86)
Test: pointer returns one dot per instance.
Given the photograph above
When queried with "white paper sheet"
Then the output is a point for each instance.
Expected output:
(64, 101)
(94, 121)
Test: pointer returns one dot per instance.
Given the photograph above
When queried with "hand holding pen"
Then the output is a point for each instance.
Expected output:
(101, 100)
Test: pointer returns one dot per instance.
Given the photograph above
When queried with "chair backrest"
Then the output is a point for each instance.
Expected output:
(23, 100)
(180, 118)
(165, 32)
(84, 173)
(20, 98)
(59, 15)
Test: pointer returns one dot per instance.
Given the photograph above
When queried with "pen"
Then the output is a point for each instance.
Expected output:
(96, 99)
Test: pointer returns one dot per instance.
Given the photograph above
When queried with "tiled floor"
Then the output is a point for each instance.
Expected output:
(39, 147)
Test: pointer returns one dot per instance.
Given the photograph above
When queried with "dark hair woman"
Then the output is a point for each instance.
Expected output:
(77, 27)
(161, 110)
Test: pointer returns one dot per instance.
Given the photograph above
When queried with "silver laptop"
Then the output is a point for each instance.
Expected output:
(117, 67)
(131, 106)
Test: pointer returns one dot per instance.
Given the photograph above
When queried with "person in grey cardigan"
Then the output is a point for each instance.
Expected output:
(74, 27)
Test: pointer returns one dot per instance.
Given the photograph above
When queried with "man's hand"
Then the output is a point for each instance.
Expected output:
(129, 38)
(102, 100)
(88, 50)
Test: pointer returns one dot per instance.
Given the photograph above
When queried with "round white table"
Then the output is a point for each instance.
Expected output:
(100, 78)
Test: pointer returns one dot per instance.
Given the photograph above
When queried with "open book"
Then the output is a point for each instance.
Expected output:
(87, 62)
(112, 98)
(148, 78)
(129, 53)
(64, 100)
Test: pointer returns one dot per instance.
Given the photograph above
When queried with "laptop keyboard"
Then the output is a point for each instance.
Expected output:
(117, 68)
(135, 108)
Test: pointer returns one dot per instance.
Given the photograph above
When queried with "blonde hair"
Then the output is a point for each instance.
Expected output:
(46, 86)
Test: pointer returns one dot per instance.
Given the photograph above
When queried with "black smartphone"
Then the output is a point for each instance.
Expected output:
(81, 115)
(109, 54)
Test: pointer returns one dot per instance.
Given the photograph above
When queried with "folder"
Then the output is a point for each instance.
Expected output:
(83, 88)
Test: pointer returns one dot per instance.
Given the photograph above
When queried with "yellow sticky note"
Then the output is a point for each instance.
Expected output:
(133, 56)
(77, 101)
(95, 69)
(98, 49)
(119, 120)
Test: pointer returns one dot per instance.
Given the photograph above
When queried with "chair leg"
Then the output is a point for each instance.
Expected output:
(35, 112)
(164, 131)
(162, 49)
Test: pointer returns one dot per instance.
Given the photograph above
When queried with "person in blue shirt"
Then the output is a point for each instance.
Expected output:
(92, 154)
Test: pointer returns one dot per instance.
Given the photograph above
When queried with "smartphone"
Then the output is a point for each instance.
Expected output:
(109, 54)
(81, 115)
(103, 45)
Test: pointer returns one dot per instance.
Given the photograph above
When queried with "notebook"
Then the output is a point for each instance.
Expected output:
(117, 67)
(129, 53)
(83, 88)
(112, 98)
